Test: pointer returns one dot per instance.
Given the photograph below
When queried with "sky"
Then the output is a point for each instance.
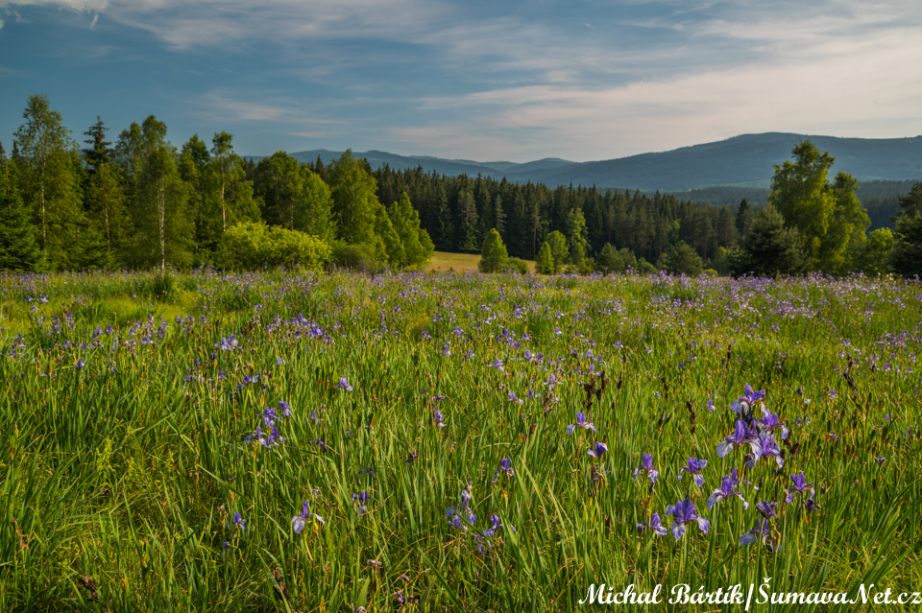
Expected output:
(475, 79)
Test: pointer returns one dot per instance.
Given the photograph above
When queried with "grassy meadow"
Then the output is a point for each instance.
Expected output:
(334, 442)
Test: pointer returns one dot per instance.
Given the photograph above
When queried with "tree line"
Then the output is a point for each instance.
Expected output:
(139, 202)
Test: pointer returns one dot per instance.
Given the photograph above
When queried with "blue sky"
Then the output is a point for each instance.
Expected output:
(580, 79)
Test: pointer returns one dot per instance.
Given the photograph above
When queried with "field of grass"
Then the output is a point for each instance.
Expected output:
(443, 261)
(339, 442)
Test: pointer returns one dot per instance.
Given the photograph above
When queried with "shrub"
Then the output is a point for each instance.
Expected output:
(252, 245)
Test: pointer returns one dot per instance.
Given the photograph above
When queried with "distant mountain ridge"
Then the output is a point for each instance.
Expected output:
(742, 161)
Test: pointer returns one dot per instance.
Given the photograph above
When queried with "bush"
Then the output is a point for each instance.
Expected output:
(516, 265)
(251, 245)
(358, 256)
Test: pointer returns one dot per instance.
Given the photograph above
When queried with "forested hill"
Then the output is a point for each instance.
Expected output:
(744, 161)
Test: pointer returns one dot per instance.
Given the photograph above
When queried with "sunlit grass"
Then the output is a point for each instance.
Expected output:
(126, 451)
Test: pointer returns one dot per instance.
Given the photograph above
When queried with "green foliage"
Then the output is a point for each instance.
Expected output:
(907, 250)
(18, 249)
(160, 204)
(612, 261)
(416, 246)
(682, 259)
(355, 200)
(830, 218)
(493, 256)
(49, 180)
(108, 213)
(545, 263)
(770, 248)
(577, 236)
(516, 265)
(877, 252)
(357, 256)
(560, 250)
(253, 246)
(293, 196)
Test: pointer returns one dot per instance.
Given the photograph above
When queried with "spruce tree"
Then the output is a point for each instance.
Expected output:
(493, 256)
(18, 248)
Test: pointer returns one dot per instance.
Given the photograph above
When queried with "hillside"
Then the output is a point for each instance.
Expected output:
(745, 161)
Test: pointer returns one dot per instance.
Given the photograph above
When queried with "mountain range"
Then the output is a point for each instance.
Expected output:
(745, 161)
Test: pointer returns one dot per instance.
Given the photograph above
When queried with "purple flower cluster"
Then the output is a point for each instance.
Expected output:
(267, 432)
(462, 518)
(757, 434)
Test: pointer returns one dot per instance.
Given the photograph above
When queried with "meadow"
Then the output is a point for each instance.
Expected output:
(432, 441)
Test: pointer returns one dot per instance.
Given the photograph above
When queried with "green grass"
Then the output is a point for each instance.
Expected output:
(443, 261)
(124, 474)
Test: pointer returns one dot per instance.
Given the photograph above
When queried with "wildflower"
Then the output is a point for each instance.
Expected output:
(239, 521)
(344, 384)
(765, 445)
(762, 530)
(505, 466)
(694, 468)
(684, 512)
(646, 468)
(284, 408)
(461, 513)
(298, 522)
(360, 498)
(581, 422)
(800, 487)
(727, 489)
(743, 405)
(227, 344)
(770, 421)
(598, 450)
(656, 524)
(767, 509)
(740, 435)
(438, 418)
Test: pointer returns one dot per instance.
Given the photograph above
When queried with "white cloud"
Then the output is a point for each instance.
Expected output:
(76, 5)
(865, 88)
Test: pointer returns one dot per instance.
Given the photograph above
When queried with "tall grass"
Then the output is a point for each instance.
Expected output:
(127, 417)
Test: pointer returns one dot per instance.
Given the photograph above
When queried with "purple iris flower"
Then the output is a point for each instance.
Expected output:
(360, 498)
(656, 524)
(694, 468)
(762, 531)
(741, 435)
(284, 408)
(598, 450)
(227, 344)
(438, 418)
(765, 445)
(767, 509)
(239, 521)
(770, 421)
(505, 466)
(800, 487)
(344, 384)
(646, 468)
(743, 404)
(298, 522)
(684, 512)
(461, 513)
(581, 422)
(727, 489)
